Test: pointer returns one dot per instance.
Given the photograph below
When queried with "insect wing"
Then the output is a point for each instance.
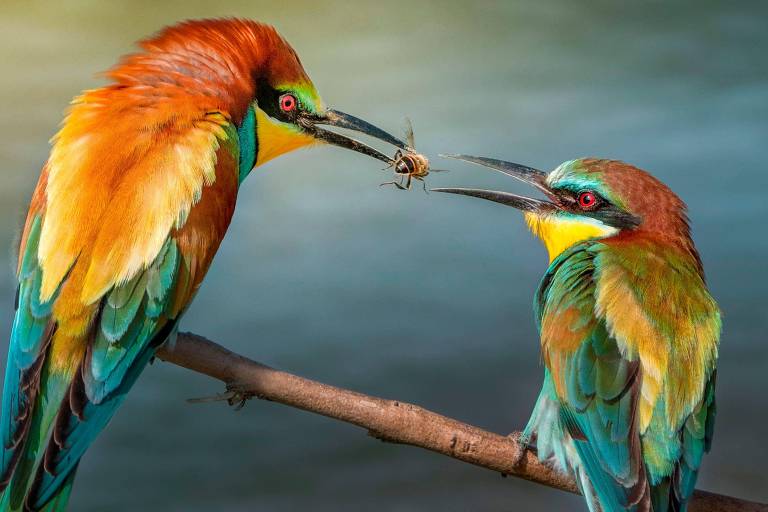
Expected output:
(409, 137)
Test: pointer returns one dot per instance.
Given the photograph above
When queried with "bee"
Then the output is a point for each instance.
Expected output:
(409, 165)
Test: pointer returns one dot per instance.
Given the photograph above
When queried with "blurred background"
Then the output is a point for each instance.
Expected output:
(423, 298)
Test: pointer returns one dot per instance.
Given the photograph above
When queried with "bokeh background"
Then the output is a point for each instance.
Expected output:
(423, 298)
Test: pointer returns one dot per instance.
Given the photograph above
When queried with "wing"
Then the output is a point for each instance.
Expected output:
(596, 387)
(30, 335)
(675, 482)
(409, 137)
(134, 318)
(615, 398)
(656, 305)
(110, 259)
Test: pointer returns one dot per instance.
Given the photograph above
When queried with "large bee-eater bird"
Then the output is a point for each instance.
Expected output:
(629, 333)
(130, 209)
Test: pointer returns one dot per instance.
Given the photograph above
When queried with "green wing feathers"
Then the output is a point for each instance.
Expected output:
(596, 387)
(133, 322)
(70, 410)
(597, 381)
(130, 316)
(31, 333)
(119, 256)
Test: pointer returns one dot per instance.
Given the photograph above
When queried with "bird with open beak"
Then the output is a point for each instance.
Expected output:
(129, 211)
(629, 332)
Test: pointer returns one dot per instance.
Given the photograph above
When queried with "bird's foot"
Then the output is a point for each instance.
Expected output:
(235, 395)
(238, 395)
(525, 444)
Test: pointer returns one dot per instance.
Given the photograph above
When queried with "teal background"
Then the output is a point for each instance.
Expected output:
(423, 298)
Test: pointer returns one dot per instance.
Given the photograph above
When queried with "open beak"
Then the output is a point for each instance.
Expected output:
(523, 173)
(341, 120)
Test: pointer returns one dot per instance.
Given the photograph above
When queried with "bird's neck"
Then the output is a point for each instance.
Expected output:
(248, 143)
(559, 232)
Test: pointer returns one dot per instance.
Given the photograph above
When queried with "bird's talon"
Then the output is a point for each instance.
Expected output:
(234, 396)
(238, 396)
(524, 442)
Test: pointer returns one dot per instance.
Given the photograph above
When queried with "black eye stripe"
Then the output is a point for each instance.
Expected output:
(268, 99)
(570, 197)
(602, 209)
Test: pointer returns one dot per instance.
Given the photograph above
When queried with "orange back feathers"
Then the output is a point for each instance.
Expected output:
(133, 157)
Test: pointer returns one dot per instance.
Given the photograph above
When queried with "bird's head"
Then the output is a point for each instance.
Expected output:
(289, 114)
(249, 73)
(588, 199)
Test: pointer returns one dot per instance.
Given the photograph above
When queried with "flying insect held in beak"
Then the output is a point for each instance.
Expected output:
(410, 165)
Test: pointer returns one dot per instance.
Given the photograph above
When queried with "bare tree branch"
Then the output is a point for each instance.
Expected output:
(390, 420)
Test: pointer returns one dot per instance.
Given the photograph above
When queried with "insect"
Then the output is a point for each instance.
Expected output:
(409, 165)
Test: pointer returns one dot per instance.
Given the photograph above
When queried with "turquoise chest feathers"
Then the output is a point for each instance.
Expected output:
(246, 135)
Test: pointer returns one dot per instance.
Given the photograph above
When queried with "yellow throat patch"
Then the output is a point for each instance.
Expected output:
(276, 138)
(559, 233)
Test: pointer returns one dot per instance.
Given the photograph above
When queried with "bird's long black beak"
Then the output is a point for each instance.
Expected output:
(523, 173)
(341, 120)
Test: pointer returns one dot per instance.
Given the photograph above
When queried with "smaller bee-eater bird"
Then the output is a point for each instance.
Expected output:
(629, 333)
(128, 213)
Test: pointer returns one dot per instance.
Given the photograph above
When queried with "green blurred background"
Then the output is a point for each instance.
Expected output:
(422, 298)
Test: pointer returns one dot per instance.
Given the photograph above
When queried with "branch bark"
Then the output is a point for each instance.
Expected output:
(390, 420)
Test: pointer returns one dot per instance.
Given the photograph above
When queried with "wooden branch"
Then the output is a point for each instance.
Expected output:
(390, 420)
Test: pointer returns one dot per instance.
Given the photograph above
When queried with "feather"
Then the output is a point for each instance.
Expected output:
(129, 210)
(598, 390)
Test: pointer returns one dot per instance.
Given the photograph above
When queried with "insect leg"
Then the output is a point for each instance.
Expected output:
(423, 184)
(393, 183)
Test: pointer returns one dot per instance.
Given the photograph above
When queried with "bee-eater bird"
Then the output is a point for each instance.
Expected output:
(629, 333)
(130, 208)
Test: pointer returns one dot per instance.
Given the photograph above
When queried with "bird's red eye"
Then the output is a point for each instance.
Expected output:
(288, 102)
(587, 200)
